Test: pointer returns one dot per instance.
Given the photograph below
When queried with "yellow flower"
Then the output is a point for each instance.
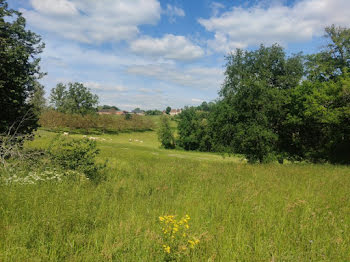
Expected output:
(166, 249)
(161, 218)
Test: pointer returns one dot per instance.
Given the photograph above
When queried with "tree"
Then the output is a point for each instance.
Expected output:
(167, 110)
(193, 130)
(256, 91)
(153, 112)
(165, 134)
(317, 125)
(19, 71)
(37, 99)
(333, 59)
(74, 99)
(108, 107)
(137, 110)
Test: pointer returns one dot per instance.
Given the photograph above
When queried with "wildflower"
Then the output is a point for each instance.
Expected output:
(166, 249)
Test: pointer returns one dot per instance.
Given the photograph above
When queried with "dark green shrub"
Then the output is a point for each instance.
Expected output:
(78, 155)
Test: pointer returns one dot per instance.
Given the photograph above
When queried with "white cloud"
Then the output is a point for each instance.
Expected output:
(173, 12)
(169, 47)
(55, 7)
(91, 21)
(104, 87)
(243, 27)
(61, 54)
(196, 77)
(216, 7)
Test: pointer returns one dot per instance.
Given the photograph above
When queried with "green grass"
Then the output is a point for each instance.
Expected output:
(240, 212)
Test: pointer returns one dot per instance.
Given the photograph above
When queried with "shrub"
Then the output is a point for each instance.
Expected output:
(78, 155)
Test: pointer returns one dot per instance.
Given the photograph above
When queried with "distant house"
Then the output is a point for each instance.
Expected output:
(174, 112)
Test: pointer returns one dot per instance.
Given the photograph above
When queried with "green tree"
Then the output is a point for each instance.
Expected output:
(74, 99)
(333, 59)
(153, 112)
(108, 107)
(193, 130)
(19, 71)
(256, 91)
(37, 99)
(167, 110)
(165, 134)
(318, 121)
(317, 127)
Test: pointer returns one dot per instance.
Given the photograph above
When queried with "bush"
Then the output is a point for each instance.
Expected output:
(165, 134)
(78, 155)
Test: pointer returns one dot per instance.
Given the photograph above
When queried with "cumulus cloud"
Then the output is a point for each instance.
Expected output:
(194, 77)
(169, 47)
(243, 27)
(91, 21)
(173, 12)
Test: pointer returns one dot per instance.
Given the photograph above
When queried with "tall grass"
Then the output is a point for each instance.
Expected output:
(239, 212)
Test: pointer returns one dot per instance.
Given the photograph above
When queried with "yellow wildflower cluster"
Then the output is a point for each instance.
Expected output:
(176, 235)
(166, 249)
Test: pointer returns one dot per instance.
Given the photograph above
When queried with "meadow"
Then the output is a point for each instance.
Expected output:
(238, 211)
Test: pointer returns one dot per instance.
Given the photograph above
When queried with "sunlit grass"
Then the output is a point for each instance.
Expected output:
(239, 212)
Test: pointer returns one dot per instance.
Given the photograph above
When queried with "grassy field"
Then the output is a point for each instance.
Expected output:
(239, 212)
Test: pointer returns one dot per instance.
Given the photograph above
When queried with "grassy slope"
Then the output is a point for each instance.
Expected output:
(240, 212)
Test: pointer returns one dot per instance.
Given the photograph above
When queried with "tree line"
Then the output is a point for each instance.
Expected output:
(273, 107)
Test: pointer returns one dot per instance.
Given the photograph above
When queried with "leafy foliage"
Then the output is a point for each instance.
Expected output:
(37, 99)
(78, 155)
(193, 130)
(19, 71)
(108, 107)
(153, 112)
(318, 121)
(254, 96)
(74, 99)
(165, 134)
(273, 107)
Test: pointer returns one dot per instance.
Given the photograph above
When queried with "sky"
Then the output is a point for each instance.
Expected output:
(157, 53)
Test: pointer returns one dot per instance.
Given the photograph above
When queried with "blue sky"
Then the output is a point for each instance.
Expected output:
(155, 53)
